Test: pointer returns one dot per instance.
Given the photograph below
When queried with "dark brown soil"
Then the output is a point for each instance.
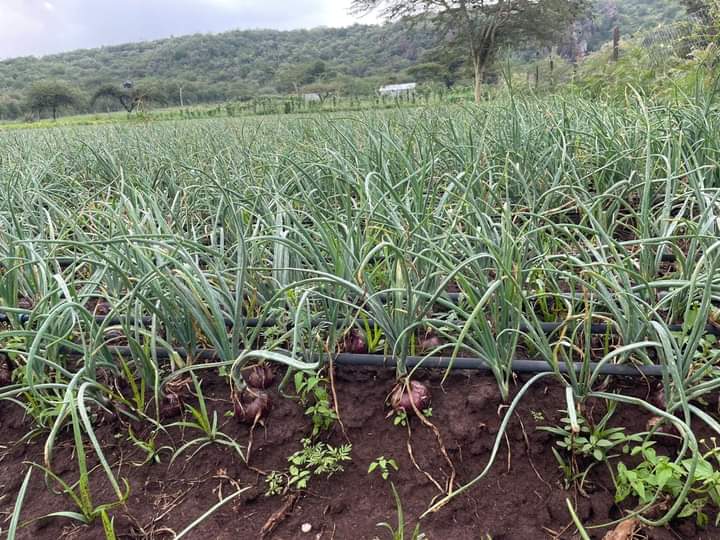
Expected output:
(521, 498)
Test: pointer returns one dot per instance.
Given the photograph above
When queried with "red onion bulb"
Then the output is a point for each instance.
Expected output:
(5, 370)
(259, 376)
(354, 342)
(417, 396)
(251, 405)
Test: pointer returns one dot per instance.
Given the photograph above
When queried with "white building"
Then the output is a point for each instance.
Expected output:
(398, 89)
(311, 97)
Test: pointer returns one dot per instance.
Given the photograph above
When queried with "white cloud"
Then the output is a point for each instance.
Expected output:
(47, 26)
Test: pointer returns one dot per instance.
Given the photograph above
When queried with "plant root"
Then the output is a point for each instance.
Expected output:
(279, 515)
(451, 480)
(415, 463)
(336, 403)
(626, 530)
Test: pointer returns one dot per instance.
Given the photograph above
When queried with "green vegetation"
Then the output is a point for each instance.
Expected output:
(315, 459)
(481, 29)
(315, 397)
(268, 241)
(675, 59)
(665, 61)
(582, 445)
(239, 66)
(657, 479)
(631, 16)
(398, 532)
(594, 441)
(383, 466)
(188, 277)
(231, 66)
(51, 96)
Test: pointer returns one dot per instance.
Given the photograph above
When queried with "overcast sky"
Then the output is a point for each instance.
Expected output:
(47, 26)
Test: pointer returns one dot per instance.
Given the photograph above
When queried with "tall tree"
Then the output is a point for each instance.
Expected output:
(706, 10)
(707, 15)
(429, 72)
(697, 6)
(130, 97)
(52, 95)
(484, 26)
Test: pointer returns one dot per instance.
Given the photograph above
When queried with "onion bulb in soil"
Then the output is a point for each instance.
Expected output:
(354, 342)
(657, 397)
(5, 370)
(428, 342)
(170, 406)
(407, 394)
(99, 307)
(251, 405)
(258, 376)
(25, 303)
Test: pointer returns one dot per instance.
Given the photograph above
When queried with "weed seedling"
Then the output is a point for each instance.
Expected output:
(657, 478)
(318, 459)
(595, 442)
(398, 532)
(206, 425)
(315, 397)
(384, 466)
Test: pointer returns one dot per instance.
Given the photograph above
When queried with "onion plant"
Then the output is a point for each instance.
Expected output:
(518, 228)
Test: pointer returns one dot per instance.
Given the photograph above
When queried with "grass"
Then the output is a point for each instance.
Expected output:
(536, 210)
(258, 107)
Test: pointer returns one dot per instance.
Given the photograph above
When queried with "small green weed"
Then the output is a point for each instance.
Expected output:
(657, 478)
(317, 459)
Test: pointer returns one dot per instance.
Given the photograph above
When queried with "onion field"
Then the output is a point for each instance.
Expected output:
(392, 324)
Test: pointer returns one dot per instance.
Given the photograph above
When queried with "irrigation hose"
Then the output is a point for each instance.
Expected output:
(433, 362)
(67, 262)
(547, 327)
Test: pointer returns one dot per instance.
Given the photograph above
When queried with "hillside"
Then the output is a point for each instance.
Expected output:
(214, 67)
(227, 66)
(630, 16)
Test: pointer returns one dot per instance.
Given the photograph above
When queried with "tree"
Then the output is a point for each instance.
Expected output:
(706, 10)
(52, 95)
(430, 72)
(123, 96)
(314, 72)
(9, 108)
(452, 59)
(707, 17)
(130, 97)
(290, 78)
(484, 26)
(697, 6)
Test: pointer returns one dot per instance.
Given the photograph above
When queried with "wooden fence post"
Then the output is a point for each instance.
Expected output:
(616, 43)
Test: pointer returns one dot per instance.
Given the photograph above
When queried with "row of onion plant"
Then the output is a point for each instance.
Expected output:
(455, 232)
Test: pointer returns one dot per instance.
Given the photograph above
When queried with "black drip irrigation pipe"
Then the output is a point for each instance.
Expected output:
(67, 262)
(547, 327)
(433, 362)
(518, 365)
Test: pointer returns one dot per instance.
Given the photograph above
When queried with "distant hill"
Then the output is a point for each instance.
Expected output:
(206, 68)
(214, 67)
